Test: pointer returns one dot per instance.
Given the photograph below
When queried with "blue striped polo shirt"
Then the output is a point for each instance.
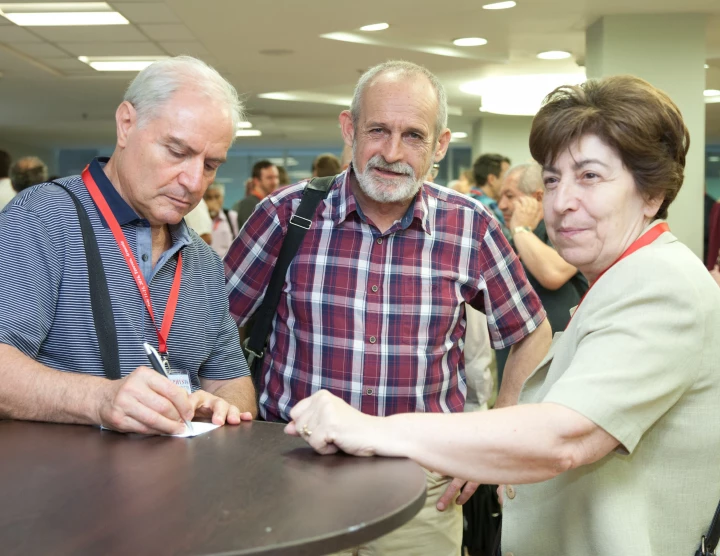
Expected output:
(45, 307)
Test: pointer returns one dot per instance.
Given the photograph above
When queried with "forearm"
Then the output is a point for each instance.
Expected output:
(524, 357)
(239, 392)
(33, 392)
(515, 445)
(542, 261)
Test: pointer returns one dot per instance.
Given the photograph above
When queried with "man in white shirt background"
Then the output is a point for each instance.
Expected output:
(6, 190)
(224, 222)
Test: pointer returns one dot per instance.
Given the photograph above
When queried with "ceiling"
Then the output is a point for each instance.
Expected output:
(48, 98)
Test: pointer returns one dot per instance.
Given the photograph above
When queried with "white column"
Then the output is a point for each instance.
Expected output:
(669, 52)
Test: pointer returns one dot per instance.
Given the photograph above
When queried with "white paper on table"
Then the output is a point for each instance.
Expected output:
(197, 428)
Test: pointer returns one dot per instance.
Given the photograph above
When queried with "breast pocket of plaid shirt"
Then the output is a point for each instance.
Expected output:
(430, 309)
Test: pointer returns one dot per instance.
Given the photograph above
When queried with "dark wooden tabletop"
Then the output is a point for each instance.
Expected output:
(76, 490)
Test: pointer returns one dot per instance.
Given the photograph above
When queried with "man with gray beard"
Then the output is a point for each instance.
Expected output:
(373, 304)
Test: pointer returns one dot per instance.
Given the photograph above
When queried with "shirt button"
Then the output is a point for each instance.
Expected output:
(145, 257)
(373, 339)
(375, 289)
(369, 391)
(379, 241)
(510, 491)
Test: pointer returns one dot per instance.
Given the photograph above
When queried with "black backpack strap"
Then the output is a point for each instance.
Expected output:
(709, 542)
(315, 191)
(232, 228)
(99, 294)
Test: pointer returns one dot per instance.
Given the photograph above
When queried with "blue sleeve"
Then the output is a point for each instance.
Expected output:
(30, 276)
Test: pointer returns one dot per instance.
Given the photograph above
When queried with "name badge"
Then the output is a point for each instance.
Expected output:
(182, 380)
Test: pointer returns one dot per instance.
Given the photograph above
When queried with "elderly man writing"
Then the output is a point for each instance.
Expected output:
(373, 305)
(174, 129)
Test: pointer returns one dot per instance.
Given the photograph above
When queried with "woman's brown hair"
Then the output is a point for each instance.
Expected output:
(628, 114)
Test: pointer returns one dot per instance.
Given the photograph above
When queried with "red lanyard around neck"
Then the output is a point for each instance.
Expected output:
(646, 239)
(132, 264)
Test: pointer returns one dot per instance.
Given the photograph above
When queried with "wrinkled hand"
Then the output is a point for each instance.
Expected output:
(144, 402)
(220, 411)
(715, 273)
(527, 212)
(452, 490)
(328, 424)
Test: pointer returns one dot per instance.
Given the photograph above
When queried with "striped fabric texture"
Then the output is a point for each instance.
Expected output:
(45, 304)
(378, 319)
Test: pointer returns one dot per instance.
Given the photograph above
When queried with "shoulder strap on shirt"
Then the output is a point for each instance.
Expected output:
(99, 294)
(315, 191)
(232, 227)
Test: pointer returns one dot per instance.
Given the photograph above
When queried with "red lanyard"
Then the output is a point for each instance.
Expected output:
(130, 260)
(646, 239)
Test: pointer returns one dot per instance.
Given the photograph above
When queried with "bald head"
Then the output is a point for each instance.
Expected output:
(401, 71)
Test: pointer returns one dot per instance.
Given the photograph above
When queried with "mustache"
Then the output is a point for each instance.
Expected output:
(378, 161)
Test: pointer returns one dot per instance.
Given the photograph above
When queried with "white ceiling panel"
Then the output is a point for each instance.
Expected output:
(145, 48)
(13, 34)
(168, 32)
(40, 50)
(95, 33)
(191, 48)
(146, 12)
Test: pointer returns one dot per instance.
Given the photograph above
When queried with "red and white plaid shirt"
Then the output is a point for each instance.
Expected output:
(378, 318)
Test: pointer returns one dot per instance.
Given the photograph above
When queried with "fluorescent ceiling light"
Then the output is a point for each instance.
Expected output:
(119, 63)
(248, 133)
(62, 14)
(554, 55)
(711, 93)
(458, 135)
(707, 67)
(375, 27)
(470, 41)
(308, 96)
(713, 158)
(244, 125)
(518, 95)
(499, 6)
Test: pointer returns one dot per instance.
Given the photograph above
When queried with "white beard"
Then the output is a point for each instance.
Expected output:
(392, 190)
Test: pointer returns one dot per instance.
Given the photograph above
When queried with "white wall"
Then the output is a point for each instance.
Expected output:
(506, 135)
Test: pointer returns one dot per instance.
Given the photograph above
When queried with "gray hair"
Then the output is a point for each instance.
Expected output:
(157, 83)
(530, 177)
(407, 69)
(217, 185)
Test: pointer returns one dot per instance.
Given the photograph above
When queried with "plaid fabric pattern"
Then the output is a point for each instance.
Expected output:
(378, 319)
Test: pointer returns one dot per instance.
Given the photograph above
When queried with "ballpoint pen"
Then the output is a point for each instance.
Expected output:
(158, 365)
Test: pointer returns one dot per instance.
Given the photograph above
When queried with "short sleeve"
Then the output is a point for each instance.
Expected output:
(250, 260)
(640, 348)
(30, 274)
(512, 307)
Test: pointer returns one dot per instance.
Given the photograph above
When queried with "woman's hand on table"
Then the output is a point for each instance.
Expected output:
(328, 424)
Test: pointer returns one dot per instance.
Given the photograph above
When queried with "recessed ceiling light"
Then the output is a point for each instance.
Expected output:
(458, 135)
(707, 67)
(375, 27)
(119, 63)
(711, 93)
(62, 14)
(244, 125)
(470, 41)
(554, 55)
(499, 6)
(248, 133)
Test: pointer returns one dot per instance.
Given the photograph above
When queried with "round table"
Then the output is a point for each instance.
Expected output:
(248, 489)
